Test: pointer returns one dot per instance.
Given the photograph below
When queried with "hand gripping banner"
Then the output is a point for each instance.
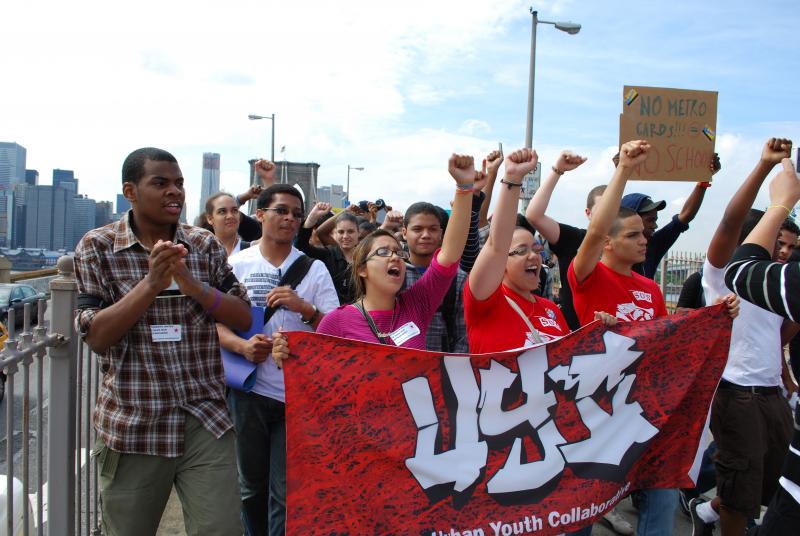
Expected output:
(385, 440)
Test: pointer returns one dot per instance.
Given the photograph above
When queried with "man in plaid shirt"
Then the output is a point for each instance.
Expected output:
(151, 290)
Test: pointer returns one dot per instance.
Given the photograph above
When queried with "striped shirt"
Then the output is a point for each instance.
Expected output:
(771, 285)
(147, 386)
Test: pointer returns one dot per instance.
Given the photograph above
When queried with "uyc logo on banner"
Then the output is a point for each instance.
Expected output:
(608, 452)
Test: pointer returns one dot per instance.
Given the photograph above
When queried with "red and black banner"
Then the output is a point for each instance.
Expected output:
(386, 440)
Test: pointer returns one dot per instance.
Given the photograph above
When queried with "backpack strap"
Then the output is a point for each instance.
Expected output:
(293, 276)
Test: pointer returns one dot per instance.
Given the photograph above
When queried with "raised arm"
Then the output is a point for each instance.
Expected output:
(493, 161)
(325, 230)
(265, 170)
(695, 199)
(723, 243)
(487, 274)
(462, 169)
(632, 154)
(752, 274)
(547, 226)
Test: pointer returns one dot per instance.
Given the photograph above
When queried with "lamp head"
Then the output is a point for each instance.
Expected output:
(570, 27)
(253, 117)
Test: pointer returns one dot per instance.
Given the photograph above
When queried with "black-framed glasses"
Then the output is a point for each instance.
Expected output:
(524, 251)
(283, 211)
(388, 252)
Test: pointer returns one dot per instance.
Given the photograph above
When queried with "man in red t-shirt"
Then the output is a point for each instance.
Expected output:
(601, 275)
(602, 279)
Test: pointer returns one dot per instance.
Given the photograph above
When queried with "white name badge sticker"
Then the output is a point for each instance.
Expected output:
(166, 332)
(404, 332)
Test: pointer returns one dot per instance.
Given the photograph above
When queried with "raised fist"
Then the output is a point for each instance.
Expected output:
(520, 163)
(265, 170)
(775, 150)
(462, 169)
(633, 153)
(567, 161)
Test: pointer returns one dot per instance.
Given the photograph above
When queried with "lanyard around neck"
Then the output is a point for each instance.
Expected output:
(534, 332)
(382, 337)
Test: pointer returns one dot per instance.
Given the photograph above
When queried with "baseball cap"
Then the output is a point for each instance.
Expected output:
(641, 203)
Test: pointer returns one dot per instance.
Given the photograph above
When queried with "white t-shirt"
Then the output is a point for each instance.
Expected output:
(754, 357)
(260, 277)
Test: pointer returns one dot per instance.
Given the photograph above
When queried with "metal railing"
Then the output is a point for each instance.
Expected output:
(675, 268)
(45, 497)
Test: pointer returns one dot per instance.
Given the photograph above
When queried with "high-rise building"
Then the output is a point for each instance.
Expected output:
(65, 178)
(6, 217)
(123, 205)
(49, 217)
(333, 194)
(18, 228)
(210, 181)
(32, 177)
(12, 164)
(83, 218)
(103, 213)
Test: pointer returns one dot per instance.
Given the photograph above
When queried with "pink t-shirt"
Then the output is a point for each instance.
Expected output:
(416, 304)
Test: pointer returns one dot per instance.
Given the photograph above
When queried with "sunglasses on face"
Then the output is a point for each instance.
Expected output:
(388, 252)
(283, 211)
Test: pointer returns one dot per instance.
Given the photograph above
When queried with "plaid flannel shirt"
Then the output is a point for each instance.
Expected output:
(437, 329)
(147, 386)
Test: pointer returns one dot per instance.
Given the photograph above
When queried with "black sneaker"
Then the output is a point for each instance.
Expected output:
(699, 527)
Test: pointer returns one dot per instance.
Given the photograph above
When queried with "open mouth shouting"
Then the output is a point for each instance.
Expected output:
(394, 272)
(532, 269)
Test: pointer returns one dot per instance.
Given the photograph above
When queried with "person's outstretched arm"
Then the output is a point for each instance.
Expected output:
(752, 274)
(535, 214)
(487, 274)
(632, 154)
(723, 243)
(493, 161)
(462, 169)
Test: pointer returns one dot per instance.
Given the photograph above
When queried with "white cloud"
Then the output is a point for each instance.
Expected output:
(475, 127)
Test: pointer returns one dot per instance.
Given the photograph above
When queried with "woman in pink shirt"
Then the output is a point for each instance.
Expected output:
(380, 312)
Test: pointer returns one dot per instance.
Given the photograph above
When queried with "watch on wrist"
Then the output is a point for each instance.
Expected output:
(313, 316)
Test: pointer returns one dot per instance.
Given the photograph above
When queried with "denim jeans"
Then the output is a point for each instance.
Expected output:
(657, 512)
(707, 476)
(261, 456)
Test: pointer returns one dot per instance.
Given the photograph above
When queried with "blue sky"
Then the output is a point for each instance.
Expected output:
(392, 87)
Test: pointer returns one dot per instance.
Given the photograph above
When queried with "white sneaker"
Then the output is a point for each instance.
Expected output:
(618, 523)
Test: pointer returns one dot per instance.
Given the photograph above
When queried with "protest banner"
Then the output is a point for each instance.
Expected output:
(680, 125)
(387, 440)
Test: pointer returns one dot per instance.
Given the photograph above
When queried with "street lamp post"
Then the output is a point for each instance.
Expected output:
(253, 117)
(569, 27)
(349, 167)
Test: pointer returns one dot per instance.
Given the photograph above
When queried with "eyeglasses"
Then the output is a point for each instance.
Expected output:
(283, 211)
(388, 252)
(524, 251)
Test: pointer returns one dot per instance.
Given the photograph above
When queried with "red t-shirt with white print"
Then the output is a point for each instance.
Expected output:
(493, 325)
(627, 297)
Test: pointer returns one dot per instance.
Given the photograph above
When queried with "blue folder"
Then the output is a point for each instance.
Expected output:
(239, 372)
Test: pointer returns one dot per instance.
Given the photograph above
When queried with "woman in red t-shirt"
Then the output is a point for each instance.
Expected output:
(501, 310)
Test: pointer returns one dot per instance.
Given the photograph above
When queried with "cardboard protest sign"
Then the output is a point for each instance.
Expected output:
(680, 125)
